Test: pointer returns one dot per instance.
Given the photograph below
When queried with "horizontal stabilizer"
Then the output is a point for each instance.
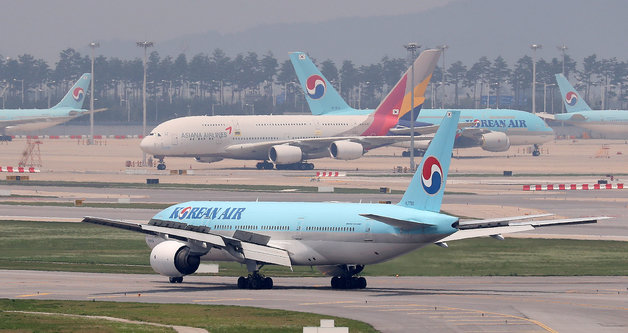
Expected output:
(498, 226)
(397, 223)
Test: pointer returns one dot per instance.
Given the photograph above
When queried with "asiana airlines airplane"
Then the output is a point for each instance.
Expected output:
(338, 238)
(287, 141)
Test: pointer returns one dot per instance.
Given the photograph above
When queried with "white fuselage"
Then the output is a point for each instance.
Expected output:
(220, 136)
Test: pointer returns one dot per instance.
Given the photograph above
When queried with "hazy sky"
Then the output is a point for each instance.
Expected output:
(45, 27)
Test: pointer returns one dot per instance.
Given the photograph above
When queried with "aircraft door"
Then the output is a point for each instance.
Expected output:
(298, 232)
(368, 235)
(174, 139)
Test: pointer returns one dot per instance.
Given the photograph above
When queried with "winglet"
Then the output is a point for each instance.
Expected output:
(426, 189)
(572, 99)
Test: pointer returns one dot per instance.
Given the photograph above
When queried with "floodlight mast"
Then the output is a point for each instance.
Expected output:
(412, 47)
(93, 46)
(145, 45)
(534, 47)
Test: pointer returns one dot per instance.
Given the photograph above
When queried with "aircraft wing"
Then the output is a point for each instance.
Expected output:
(198, 234)
(423, 130)
(496, 227)
(320, 144)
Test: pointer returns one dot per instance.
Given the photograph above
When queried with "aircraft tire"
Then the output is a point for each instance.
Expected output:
(242, 283)
(267, 283)
(172, 279)
(361, 283)
(161, 166)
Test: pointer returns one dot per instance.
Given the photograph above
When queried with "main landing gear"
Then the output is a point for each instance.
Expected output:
(536, 151)
(265, 165)
(292, 166)
(255, 280)
(417, 153)
(347, 280)
(176, 279)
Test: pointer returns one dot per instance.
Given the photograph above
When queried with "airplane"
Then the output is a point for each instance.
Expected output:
(286, 141)
(338, 238)
(493, 130)
(19, 120)
(609, 123)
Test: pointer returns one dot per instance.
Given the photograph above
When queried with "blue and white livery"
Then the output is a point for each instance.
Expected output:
(338, 238)
(21, 120)
(611, 124)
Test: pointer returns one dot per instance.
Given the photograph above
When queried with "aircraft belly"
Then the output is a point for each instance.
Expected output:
(521, 138)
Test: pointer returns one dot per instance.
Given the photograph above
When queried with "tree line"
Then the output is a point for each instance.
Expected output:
(249, 83)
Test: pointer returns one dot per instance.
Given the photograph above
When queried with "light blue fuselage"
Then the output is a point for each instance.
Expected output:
(316, 233)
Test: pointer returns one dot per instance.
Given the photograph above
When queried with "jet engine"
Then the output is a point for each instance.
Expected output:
(346, 150)
(173, 259)
(495, 141)
(285, 154)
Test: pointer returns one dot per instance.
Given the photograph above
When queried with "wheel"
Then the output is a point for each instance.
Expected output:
(172, 279)
(242, 283)
(536, 153)
(260, 166)
(361, 283)
(267, 283)
(255, 283)
(405, 153)
(335, 283)
(303, 166)
(310, 166)
(179, 279)
(161, 166)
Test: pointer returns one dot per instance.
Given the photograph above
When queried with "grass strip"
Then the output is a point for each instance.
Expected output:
(214, 318)
(92, 248)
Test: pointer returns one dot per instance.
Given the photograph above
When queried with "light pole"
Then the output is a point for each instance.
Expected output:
(22, 80)
(93, 46)
(563, 48)
(145, 45)
(545, 85)
(442, 78)
(534, 47)
(412, 47)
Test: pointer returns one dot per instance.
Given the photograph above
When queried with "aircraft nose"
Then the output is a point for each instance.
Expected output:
(146, 144)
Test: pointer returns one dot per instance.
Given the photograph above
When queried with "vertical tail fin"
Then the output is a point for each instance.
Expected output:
(423, 70)
(319, 93)
(426, 189)
(391, 108)
(76, 95)
(571, 98)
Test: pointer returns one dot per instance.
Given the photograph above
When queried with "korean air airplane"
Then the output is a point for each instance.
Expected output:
(19, 120)
(492, 129)
(608, 123)
(338, 238)
(287, 141)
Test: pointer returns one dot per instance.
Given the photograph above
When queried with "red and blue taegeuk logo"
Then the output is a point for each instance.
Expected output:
(315, 86)
(431, 175)
(78, 94)
(571, 98)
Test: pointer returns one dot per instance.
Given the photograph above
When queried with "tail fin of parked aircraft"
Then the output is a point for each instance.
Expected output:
(75, 97)
(319, 93)
(571, 98)
(423, 69)
(389, 110)
(426, 189)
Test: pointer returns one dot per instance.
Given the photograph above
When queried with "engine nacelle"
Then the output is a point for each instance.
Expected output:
(346, 150)
(495, 141)
(173, 259)
(206, 159)
(285, 154)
